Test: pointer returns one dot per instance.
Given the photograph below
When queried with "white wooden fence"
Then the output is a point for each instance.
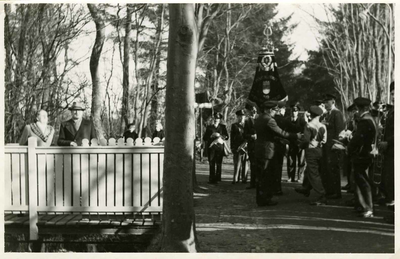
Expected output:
(118, 177)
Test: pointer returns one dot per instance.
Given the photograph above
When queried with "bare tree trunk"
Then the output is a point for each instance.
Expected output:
(97, 89)
(178, 226)
(125, 80)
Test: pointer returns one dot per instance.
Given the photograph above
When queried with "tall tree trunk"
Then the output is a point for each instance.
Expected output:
(97, 89)
(178, 227)
(125, 111)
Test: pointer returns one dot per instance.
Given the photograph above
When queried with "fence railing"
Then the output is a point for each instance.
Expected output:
(112, 177)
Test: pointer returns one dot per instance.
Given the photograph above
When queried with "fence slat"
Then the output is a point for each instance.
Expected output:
(59, 180)
(85, 179)
(119, 179)
(93, 180)
(7, 179)
(145, 179)
(128, 180)
(41, 179)
(136, 180)
(154, 180)
(110, 180)
(161, 178)
(15, 186)
(102, 179)
(24, 178)
(50, 180)
(67, 180)
(76, 180)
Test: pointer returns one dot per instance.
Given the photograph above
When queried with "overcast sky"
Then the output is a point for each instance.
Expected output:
(305, 35)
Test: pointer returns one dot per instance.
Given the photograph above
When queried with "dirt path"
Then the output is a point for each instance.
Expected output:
(228, 220)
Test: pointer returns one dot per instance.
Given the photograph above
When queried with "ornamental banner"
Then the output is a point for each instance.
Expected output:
(266, 84)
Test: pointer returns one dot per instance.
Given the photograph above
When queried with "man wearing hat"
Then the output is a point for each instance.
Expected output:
(313, 139)
(332, 162)
(280, 148)
(250, 136)
(73, 131)
(239, 148)
(295, 155)
(386, 147)
(267, 130)
(359, 149)
(214, 138)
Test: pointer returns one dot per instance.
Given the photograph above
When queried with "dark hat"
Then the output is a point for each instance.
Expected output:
(240, 113)
(316, 110)
(351, 108)
(76, 106)
(281, 104)
(318, 102)
(217, 115)
(361, 101)
(329, 97)
(391, 87)
(269, 104)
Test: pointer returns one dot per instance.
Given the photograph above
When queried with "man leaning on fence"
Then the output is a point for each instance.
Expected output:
(73, 131)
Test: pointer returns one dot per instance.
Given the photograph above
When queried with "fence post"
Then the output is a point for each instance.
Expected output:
(32, 186)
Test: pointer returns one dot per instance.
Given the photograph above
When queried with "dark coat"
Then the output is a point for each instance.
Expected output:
(389, 130)
(249, 130)
(334, 125)
(359, 147)
(237, 136)
(158, 134)
(221, 129)
(267, 133)
(68, 133)
(128, 134)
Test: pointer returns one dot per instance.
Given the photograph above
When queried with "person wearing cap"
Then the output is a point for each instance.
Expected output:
(73, 131)
(332, 158)
(250, 136)
(295, 161)
(359, 150)
(386, 147)
(280, 147)
(313, 139)
(238, 147)
(39, 129)
(267, 130)
(214, 138)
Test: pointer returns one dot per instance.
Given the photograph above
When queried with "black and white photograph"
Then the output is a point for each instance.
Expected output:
(211, 128)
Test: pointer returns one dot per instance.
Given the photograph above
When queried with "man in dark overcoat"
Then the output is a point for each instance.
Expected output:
(267, 130)
(73, 131)
(251, 136)
(239, 148)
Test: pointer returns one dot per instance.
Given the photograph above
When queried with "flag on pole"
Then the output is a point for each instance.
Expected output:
(267, 84)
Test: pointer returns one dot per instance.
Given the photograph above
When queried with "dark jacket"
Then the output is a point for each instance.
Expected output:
(68, 133)
(158, 134)
(221, 129)
(128, 134)
(360, 144)
(249, 130)
(267, 132)
(389, 130)
(334, 125)
(237, 136)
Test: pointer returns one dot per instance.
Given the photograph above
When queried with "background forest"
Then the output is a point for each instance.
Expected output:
(112, 58)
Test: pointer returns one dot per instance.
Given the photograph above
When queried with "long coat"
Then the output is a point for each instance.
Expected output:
(334, 125)
(237, 136)
(359, 147)
(28, 132)
(69, 134)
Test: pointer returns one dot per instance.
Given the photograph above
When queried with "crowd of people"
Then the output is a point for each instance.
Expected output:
(320, 147)
(74, 130)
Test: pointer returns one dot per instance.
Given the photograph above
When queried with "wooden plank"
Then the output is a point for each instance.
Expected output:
(99, 209)
(67, 180)
(145, 180)
(93, 185)
(119, 179)
(160, 186)
(24, 178)
(9, 219)
(110, 180)
(102, 180)
(74, 220)
(33, 181)
(85, 179)
(76, 180)
(154, 180)
(101, 150)
(59, 179)
(53, 221)
(128, 172)
(43, 219)
(136, 180)
(15, 184)
(41, 180)
(50, 180)
(7, 180)
(65, 219)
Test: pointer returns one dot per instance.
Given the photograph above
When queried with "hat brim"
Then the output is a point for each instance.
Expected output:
(76, 109)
